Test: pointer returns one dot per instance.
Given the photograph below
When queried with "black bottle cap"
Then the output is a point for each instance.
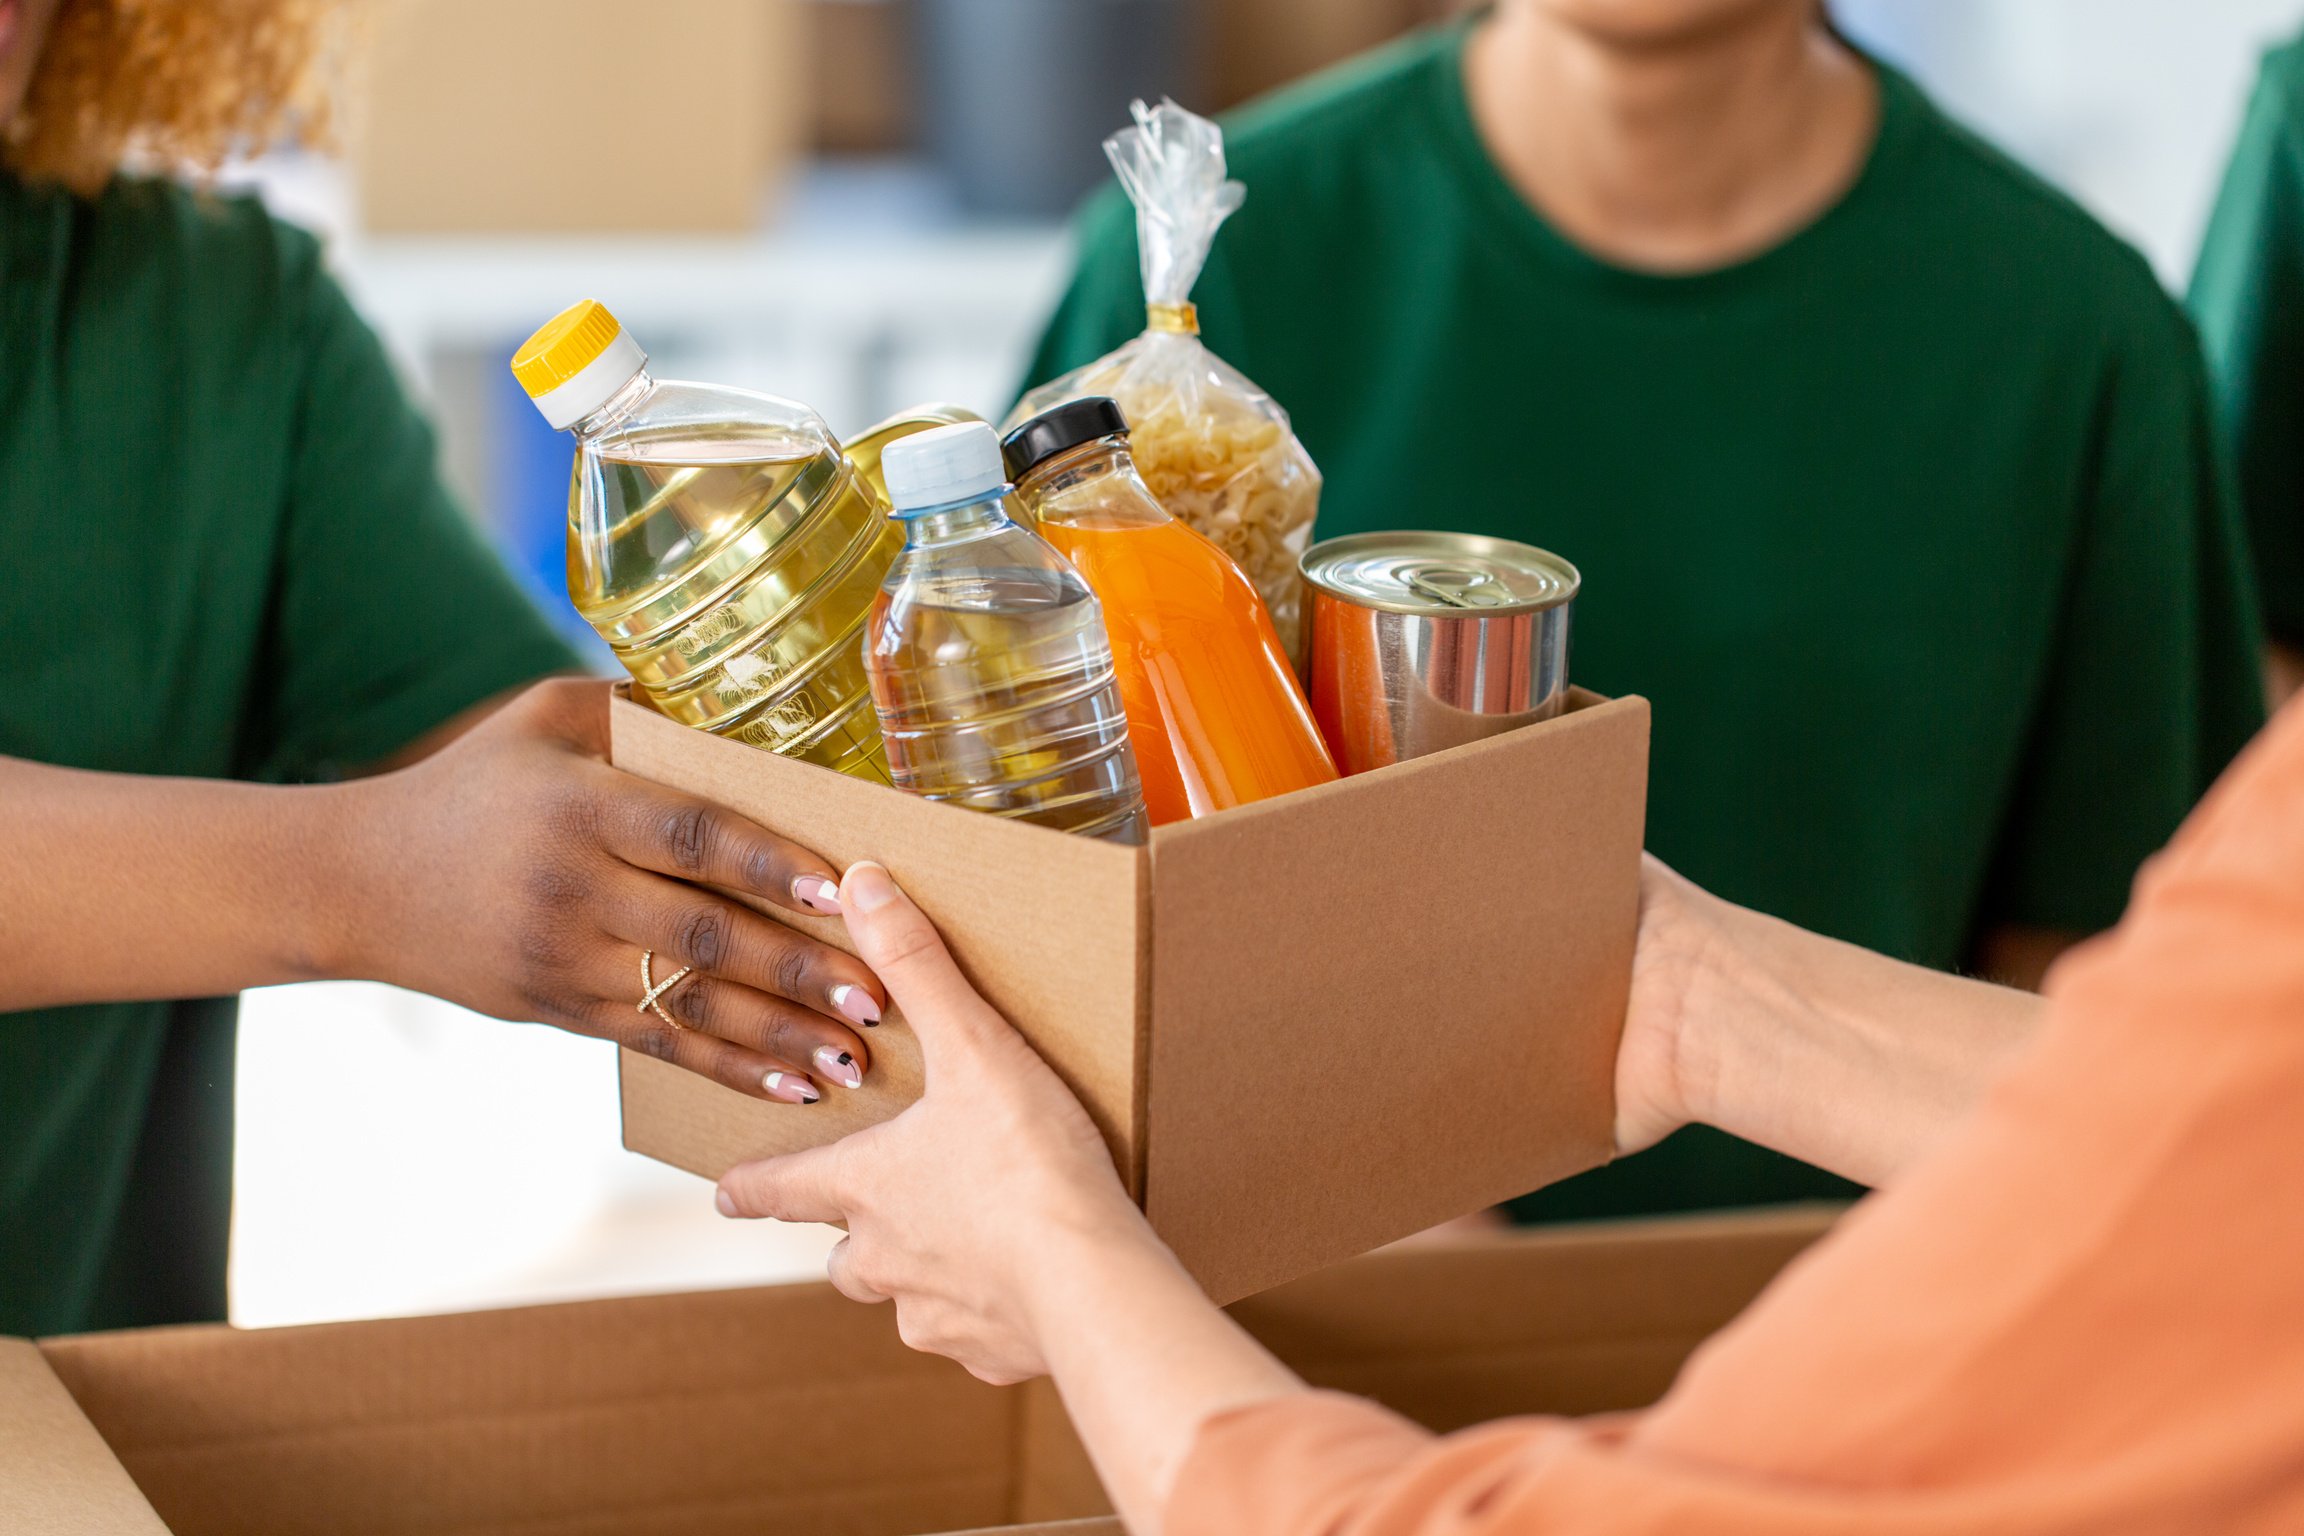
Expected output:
(1058, 430)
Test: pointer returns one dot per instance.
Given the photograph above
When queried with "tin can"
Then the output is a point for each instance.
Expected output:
(1424, 641)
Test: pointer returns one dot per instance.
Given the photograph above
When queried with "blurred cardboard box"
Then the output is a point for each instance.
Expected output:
(1256, 45)
(1306, 1027)
(788, 1408)
(862, 89)
(574, 116)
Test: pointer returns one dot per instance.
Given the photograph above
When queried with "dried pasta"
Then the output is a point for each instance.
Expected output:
(1216, 450)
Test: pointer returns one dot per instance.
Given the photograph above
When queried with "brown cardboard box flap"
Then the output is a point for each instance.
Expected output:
(57, 1476)
(788, 1409)
(727, 1413)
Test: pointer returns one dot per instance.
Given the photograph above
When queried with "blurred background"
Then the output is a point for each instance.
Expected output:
(859, 204)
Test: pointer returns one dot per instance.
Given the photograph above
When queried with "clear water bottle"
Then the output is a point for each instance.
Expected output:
(990, 669)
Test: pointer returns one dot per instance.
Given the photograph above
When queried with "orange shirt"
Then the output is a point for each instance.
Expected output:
(2086, 1313)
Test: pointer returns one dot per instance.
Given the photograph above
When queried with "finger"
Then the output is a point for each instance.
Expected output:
(732, 1066)
(840, 1269)
(674, 834)
(786, 1036)
(896, 939)
(798, 1186)
(722, 938)
(786, 1033)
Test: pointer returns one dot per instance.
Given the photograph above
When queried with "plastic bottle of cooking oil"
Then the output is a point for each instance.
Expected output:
(721, 542)
(1213, 706)
(989, 664)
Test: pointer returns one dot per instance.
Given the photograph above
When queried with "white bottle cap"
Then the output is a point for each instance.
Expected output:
(960, 462)
(576, 361)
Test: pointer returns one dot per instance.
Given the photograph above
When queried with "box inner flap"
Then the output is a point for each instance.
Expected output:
(1045, 925)
(57, 1477)
(728, 1413)
(1313, 1093)
(789, 1408)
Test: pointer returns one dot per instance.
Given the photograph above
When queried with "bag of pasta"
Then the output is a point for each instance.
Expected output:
(1215, 449)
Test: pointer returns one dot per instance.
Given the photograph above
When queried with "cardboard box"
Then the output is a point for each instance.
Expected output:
(1258, 45)
(573, 116)
(1306, 1027)
(786, 1410)
(860, 53)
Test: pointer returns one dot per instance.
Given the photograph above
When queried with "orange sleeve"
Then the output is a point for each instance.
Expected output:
(2079, 1315)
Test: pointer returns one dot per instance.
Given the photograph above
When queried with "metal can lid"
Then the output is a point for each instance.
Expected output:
(1440, 575)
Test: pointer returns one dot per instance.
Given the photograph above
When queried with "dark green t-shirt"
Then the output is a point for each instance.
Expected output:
(226, 554)
(1912, 527)
(2248, 295)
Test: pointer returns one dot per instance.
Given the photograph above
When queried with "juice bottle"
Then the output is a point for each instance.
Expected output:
(720, 542)
(1213, 705)
(989, 666)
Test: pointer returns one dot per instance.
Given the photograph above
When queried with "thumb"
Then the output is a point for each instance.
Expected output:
(895, 938)
(796, 1187)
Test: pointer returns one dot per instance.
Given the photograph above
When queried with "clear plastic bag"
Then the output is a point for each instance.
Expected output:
(1216, 450)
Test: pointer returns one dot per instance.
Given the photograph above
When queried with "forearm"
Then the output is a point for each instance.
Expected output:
(119, 887)
(1834, 1054)
(1143, 1361)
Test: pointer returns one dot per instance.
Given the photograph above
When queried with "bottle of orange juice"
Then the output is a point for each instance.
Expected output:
(1213, 706)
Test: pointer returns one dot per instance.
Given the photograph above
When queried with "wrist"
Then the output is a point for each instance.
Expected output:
(1721, 955)
(1091, 1251)
(334, 911)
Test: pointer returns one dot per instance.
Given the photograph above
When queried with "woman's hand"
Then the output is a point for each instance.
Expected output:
(515, 872)
(968, 1208)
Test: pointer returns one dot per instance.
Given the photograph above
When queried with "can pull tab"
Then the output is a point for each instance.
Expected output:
(1455, 585)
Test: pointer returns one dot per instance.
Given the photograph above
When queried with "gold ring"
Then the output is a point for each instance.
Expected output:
(651, 989)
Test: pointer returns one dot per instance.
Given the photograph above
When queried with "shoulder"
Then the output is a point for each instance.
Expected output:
(2017, 234)
(1284, 146)
(1345, 108)
(225, 236)
(2280, 80)
(215, 265)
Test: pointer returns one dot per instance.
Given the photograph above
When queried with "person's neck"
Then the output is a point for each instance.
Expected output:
(1672, 155)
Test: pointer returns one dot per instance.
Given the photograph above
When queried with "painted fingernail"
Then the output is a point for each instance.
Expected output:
(839, 1066)
(856, 1003)
(725, 1201)
(868, 885)
(817, 894)
(790, 1087)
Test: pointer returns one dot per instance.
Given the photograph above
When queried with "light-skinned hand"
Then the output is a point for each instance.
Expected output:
(993, 1179)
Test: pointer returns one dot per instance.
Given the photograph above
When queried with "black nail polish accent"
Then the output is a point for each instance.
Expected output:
(847, 1060)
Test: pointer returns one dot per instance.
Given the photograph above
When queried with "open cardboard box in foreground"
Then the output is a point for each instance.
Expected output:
(787, 1410)
(1306, 1027)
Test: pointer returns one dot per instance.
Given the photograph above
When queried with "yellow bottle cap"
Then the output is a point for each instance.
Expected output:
(565, 346)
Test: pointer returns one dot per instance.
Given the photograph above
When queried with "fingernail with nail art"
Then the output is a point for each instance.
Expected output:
(790, 1087)
(856, 1003)
(817, 894)
(839, 1066)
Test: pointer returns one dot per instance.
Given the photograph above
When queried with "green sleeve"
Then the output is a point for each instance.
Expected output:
(2154, 681)
(390, 614)
(2248, 293)
(1104, 304)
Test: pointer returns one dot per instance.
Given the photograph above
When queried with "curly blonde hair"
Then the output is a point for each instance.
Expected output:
(181, 83)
